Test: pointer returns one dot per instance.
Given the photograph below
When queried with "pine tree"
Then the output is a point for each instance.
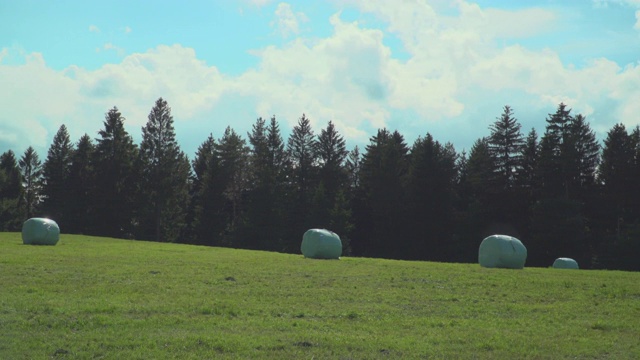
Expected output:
(505, 145)
(266, 216)
(381, 216)
(331, 153)
(165, 174)
(11, 209)
(352, 166)
(430, 192)
(527, 174)
(31, 170)
(301, 149)
(587, 152)
(56, 171)
(233, 157)
(81, 184)
(115, 194)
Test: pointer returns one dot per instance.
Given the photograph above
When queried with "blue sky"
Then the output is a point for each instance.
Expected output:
(418, 66)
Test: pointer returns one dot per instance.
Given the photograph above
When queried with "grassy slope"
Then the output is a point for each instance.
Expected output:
(97, 298)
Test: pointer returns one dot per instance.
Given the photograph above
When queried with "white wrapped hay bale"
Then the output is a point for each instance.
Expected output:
(40, 231)
(321, 244)
(565, 263)
(502, 251)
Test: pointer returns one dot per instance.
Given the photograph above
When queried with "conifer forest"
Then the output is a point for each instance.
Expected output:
(563, 193)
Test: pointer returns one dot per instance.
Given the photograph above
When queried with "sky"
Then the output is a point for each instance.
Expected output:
(443, 67)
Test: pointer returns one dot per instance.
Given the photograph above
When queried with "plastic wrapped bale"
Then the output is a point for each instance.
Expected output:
(321, 244)
(565, 263)
(40, 231)
(502, 251)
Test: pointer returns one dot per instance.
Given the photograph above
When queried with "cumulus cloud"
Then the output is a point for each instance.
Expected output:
(287, 21)
(93, 28)
(458, 75)
(43, 98)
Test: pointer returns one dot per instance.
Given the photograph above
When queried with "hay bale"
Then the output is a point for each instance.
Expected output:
(565, 263)
(321, 244)
(502, 251)
(40, 231)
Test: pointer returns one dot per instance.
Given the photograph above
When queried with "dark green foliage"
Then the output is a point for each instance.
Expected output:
(220, 210)
(266, 214)
(430, 200)
(381, 222)
(165, 174)
(56, 172)
(31, 170)
(11, 206)
(80, 188)
(425, 202)
(505, 145)
(302, 153)
(116, 179)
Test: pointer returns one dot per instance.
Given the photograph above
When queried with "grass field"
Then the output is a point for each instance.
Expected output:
(98, 298)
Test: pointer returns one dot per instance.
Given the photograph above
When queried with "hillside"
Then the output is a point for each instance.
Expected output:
(99, 298)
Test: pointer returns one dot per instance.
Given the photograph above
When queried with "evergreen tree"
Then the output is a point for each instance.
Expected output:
(332, 152)
(481, 170)
(56, 171)
(266, 216)
(31, 170)
(527, 174)
(430, 190)
(616, 174)
(566, 167)
(381, 212)
(220, 215)
(352, 166)
(301, 148)
(587, 153)
(209, 203)
(11, 209)
(80, 185)
(199, 165)
(233, 155)
(507, 203)
(165, 174)
(505, 145)
(115, 194)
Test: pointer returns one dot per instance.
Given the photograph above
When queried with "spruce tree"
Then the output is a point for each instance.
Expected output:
(505, 144)
(11, 207)
(115, 194)
(301, 149)
(56, 171)
(31, 170)
(266, 215)
(81, 185)
(381, 217)
(165, 174)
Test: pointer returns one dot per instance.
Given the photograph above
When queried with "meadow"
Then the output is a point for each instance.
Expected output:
(100, 298)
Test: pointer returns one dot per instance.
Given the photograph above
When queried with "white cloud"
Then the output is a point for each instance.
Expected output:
(127, 29)
(111, 47)
(93, 28)
(43, 98)
(456, 77)
(287, 22)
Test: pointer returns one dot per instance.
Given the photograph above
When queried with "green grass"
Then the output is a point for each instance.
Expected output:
(98, 298)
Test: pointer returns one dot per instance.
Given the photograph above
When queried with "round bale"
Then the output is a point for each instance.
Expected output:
(565, 263)
(40, 231)
(502, 251)
(321, 244)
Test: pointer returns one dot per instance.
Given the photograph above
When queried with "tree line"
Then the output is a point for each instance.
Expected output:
(561, 193)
